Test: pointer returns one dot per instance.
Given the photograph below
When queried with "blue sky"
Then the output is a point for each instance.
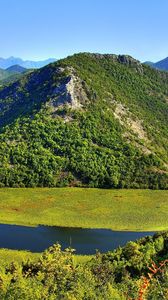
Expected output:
(38, 29)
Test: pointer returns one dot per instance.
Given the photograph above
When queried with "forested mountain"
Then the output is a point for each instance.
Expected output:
(90, 119)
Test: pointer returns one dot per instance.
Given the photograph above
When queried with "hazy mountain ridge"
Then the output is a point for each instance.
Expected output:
(160, 65)
(91, 120)
(28, 64)
(16, 69)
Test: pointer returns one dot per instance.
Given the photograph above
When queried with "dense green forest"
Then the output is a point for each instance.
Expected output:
(87, 120)
(137, 271)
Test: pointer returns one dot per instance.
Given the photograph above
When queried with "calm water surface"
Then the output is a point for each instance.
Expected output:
(85, 241)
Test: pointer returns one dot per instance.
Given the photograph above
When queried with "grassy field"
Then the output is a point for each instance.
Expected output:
(90, 208)
(7, 256)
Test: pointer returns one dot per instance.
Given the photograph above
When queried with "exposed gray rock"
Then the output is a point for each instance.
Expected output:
(70, 92)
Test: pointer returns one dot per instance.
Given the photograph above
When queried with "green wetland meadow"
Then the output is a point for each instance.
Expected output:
(143, 210)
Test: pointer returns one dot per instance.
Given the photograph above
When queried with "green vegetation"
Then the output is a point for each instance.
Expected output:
(11, 75)
(3, 74)
(88, 208)
(116, 137)
(8, 256)
(116, 275)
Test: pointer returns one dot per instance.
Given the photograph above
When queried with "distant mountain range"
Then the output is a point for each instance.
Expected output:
(12, 68)
(28, 64)
(160, 65)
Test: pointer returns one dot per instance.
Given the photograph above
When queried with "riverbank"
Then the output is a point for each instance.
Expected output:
(133, 210)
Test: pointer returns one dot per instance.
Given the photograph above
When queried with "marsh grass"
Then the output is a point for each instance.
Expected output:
(136, 210)
(8, 256)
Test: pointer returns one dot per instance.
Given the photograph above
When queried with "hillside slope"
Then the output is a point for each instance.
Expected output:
(91, 120)
(16, 69)
(11, 74)
(3, 74)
